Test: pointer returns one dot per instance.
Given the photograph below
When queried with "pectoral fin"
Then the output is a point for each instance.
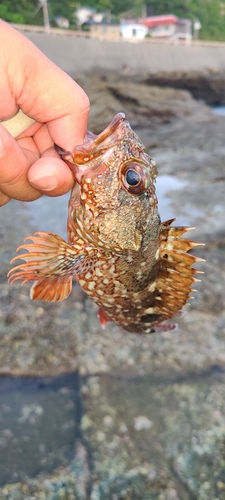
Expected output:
(50, 262)
(51, 289)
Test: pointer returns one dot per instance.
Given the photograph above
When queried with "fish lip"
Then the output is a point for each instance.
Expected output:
(67, 157)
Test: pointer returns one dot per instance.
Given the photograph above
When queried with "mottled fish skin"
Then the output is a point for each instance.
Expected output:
(134, 267)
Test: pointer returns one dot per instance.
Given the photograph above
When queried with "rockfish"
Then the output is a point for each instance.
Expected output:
(134, 267)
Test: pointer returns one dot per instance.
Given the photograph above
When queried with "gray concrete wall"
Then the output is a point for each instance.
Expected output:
(78, 55)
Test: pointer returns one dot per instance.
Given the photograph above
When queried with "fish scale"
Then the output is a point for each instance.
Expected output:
(137, 269)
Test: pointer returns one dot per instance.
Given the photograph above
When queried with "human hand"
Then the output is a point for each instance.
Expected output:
(29, 164)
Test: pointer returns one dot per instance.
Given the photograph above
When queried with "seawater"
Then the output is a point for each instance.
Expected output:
(219, 110)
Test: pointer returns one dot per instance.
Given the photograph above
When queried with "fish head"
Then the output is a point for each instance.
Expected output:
(113, 198)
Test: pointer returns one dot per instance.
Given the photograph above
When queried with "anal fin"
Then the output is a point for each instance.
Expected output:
(103, 318)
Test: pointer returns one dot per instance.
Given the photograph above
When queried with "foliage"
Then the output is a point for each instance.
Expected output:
(20, 11)
(114, 6)
(210, 13)
(63, 8)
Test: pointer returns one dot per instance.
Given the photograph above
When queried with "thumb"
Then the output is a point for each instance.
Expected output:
(50, 175)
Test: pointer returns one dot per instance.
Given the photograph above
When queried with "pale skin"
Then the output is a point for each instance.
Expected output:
(29, 164)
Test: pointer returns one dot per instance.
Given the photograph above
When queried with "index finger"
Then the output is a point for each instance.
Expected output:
(42, 90)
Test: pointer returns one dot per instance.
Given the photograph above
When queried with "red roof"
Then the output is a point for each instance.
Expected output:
(152, 21)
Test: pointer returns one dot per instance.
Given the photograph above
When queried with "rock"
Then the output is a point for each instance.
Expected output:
(169, 385)
(208, 86)
(144, 105)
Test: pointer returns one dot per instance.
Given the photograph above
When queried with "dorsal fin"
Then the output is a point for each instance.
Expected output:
(166, 295)
(173, 284)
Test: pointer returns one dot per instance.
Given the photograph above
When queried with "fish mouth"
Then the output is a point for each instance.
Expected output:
(91, 141)
(90, 158)
(86, 157)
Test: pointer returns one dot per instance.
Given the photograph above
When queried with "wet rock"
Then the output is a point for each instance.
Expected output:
(209, 86)
(66, 483)
(198, 452)
(152, 425)
(37, 415)
(130, 456)
(180, 455)
(144, 105)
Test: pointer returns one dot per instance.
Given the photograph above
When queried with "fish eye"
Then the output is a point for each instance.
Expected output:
(133, 178)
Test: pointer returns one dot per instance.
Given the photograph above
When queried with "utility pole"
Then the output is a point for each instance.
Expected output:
(44, 6)
(45, 15)
(144, 10)
(196, 27)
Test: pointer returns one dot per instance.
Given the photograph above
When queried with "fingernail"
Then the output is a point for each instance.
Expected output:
(47, 183)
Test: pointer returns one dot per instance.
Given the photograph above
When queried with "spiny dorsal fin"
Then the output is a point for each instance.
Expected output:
(171, 289)
(176, 275)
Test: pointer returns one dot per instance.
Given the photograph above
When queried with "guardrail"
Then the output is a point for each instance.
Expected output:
(50, 31)
(88, 34)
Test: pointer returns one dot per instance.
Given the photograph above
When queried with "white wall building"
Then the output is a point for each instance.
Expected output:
(85, 14)
(133, 30)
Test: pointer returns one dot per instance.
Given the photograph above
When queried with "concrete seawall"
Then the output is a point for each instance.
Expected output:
(77, 55)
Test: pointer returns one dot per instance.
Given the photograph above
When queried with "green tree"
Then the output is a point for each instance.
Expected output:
(212, 21)
(58, 8)
(208, 12)
(180, 8)
(20, 11)
(116, 7)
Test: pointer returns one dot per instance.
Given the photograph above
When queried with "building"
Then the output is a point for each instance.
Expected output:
(86, 14)
(183, 33)
(160, 26)
(61, 22)
(130, 30)
(104, 30)
(168, 27)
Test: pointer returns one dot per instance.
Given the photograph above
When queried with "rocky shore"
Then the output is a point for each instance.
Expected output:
(145, 415)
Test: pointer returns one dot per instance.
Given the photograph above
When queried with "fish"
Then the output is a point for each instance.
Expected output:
(137, 269)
